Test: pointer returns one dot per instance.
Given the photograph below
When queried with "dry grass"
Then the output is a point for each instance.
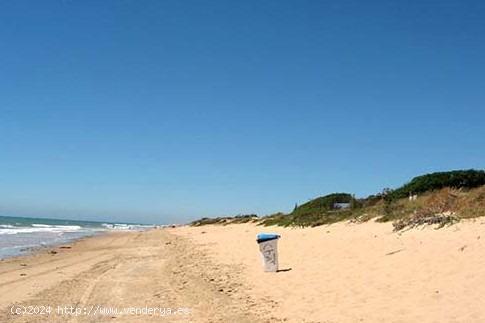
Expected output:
(472, 204)
(443, 207)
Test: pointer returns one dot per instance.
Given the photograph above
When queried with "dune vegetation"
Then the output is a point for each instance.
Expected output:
(440, 198)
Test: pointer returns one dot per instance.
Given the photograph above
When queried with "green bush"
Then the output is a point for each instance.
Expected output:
(435, 181)
(322, 204)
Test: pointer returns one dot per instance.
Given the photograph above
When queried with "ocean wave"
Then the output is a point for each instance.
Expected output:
(40, 228)
(125, 227)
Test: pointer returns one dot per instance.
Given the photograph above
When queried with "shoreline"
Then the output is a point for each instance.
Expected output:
(22, 235)
(30, 251)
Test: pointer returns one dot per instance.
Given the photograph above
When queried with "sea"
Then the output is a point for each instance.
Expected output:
(20, 235)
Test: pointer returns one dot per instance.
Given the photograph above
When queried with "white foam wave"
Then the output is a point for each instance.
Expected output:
(125, 227)
(40, 228)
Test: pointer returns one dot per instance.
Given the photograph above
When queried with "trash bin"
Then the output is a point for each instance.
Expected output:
(268, 246)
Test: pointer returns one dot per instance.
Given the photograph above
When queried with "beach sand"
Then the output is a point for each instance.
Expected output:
(344, 272)
(350, 272)
(140, 270)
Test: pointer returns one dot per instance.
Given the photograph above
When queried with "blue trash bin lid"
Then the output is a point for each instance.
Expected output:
(262, 237)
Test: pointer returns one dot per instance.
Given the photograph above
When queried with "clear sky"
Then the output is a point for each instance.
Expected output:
(164, 111)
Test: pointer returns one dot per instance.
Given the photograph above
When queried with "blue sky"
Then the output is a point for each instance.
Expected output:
(164, 111)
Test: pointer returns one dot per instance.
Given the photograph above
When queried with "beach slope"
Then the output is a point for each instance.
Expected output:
(344, 272)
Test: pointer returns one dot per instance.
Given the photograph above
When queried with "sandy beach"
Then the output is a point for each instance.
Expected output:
(349, 272)
(344, 272)
(119, 271)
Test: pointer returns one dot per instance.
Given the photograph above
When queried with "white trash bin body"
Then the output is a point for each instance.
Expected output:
(268, 246)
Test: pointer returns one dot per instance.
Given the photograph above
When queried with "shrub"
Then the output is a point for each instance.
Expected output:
(434, 181)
